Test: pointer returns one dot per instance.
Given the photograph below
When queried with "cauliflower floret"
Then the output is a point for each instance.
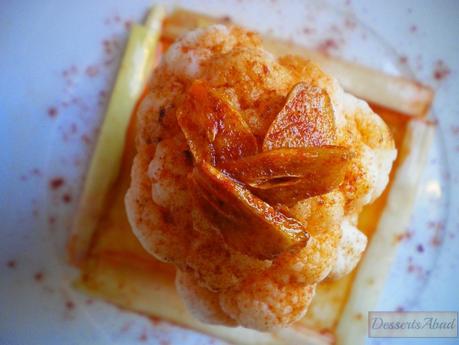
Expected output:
(219, 282)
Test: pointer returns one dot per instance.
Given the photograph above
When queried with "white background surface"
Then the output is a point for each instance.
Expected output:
(39, 40)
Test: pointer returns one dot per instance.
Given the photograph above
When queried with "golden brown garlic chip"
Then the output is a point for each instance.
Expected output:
(215, 132)
(305, 120)
(288, 175)
(247, 223)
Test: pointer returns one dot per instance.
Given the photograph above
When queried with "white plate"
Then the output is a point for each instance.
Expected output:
(56, 66)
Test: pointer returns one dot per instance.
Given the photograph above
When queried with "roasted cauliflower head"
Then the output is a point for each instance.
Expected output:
(249, 177)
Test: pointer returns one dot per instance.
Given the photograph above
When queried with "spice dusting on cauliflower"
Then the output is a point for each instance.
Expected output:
(249, 177)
